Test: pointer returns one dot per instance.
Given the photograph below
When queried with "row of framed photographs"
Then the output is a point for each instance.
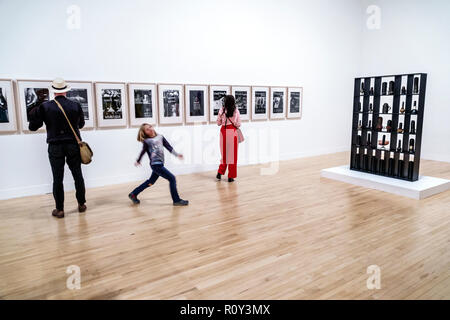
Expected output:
(118, 104)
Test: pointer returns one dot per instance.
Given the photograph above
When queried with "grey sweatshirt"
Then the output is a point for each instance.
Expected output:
(155, 149)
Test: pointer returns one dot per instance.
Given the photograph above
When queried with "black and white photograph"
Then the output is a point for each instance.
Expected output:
(81, 92)
(242, 96)
(143, 107)
(35, 97)
(170, 104)
(217, 95)
(278, 108)
(111, 104)
(142, 99)
(196, 103)
(260, 102)
(294, 106)
(241, 101)
(4, 118)
(295, 95)
(8, 122)
(278, 102)
(31, 93)
(80, 96)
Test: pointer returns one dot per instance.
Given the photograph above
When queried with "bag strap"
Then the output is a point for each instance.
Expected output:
(230, 121)
(68, 121)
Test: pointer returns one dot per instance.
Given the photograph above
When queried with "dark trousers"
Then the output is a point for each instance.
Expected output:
(160, 171)
(59, 154)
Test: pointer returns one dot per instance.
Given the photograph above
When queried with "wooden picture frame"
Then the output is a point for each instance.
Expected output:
(260, 102)
(31, 93)
(295, 102)
(143, 103)
(8, 109)
(242, 95)
(216, 92)
(197, 103)
(171, 103)
(278, 103)
(111, 102)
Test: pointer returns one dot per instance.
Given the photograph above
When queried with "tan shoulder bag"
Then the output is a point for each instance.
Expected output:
(85, 151)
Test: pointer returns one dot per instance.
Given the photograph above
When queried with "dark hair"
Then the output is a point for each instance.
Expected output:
(230, 105)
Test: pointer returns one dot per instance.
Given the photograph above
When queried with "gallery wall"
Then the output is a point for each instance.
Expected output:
(313, 44)
(414, 37)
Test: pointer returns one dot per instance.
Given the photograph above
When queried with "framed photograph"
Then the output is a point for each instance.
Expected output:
(142, 98)
(216, 100)
(277, 103)
(32, 93)
(242, 95)
(111, 104)
(171, 103)
(196, 103)
(295, 98)
(8, 119)
(260, 103)
(81, 92)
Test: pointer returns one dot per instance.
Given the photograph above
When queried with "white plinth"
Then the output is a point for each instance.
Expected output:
(423, 188)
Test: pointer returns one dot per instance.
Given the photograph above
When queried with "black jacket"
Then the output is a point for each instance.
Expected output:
(58, 130)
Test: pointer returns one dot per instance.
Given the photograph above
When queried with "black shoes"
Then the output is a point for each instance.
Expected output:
(219, 177)
(58, 213)
(181, 203)
(82, 208)
(134, 198)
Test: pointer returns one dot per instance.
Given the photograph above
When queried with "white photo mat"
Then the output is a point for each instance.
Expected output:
(263, 93)
(8, 117)
(247, 91)
(171, 103)
(202, 101)
(137, 121)
(111, 117)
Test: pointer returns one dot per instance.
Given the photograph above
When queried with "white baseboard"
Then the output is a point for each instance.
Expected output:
(436, 157)
(131, 177)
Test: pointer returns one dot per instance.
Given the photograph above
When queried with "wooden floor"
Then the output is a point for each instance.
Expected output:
(292, 235)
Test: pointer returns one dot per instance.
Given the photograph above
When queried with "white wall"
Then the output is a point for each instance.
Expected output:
(415, 37)
(314, 44)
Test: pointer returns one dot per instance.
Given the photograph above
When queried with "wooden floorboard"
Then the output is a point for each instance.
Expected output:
(292, 235)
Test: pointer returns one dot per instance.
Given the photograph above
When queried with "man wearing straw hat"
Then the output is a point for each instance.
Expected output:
(62, 145)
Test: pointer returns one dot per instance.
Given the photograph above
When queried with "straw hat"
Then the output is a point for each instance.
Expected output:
(60, 86)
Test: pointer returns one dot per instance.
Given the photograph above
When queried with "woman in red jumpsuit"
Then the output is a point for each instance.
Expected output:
(230, 120)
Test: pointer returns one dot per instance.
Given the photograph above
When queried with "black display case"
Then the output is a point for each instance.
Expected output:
(386, 110)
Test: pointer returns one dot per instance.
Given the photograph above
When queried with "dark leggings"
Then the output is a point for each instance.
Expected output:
(160, 171)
